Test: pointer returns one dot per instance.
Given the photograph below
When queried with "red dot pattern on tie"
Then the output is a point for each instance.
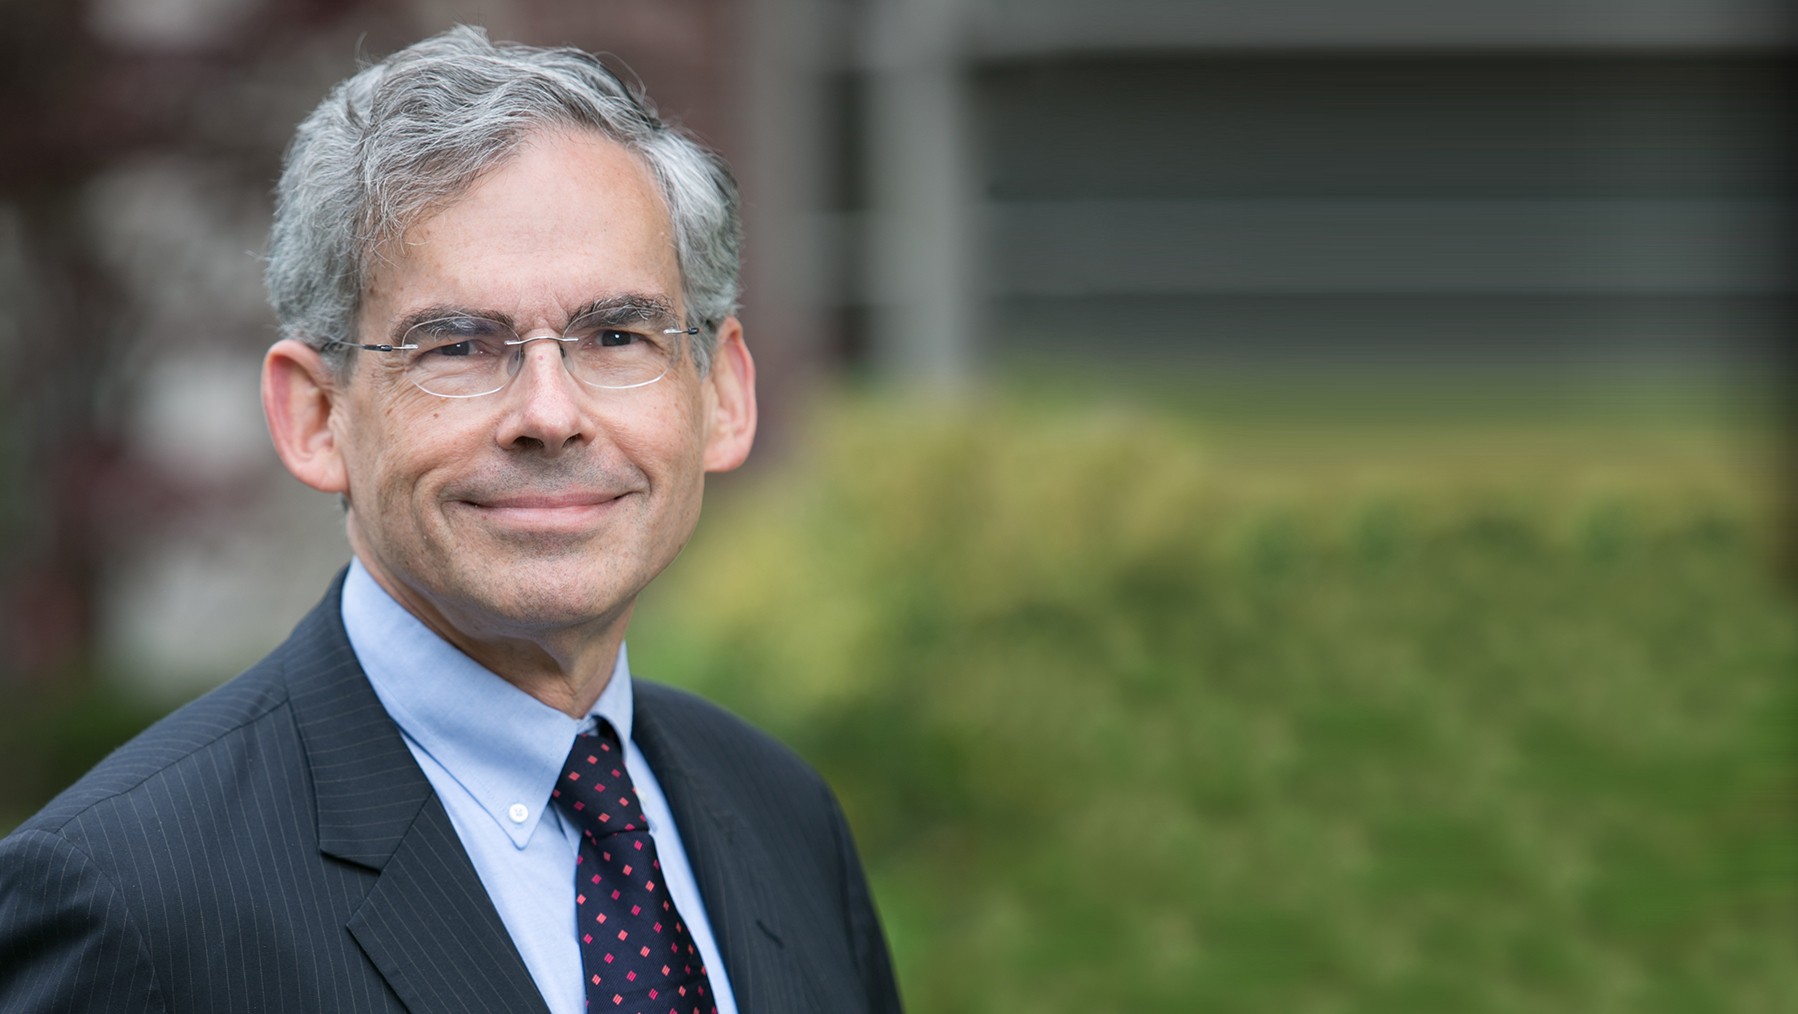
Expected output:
(636, 952)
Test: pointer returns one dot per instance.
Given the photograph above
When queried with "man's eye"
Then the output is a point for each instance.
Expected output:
(458, 337)
(613, 339)
(467, 348)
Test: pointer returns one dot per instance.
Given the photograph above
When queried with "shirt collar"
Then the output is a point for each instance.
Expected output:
(503, 746)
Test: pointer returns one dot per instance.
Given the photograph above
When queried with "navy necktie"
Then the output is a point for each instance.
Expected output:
(636, 953)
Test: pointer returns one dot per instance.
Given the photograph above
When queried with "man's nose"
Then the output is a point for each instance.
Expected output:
(545, 406)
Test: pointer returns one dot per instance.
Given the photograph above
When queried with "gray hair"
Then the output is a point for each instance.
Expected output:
(405, 135)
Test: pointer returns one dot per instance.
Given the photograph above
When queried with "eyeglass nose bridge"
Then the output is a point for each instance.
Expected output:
(563, 340)
(515, 362)
(520, 342)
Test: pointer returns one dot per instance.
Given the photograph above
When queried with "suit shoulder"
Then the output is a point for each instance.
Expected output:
(210, 744)
(199, 728)
(723, 736)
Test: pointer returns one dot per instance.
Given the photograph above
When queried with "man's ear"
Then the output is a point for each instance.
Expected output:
(299, 390)
(731, 431)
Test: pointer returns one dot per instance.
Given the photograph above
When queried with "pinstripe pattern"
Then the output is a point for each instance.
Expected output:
(274, 847)
(773, 858)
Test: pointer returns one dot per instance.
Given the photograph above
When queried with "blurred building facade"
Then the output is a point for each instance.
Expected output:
(936, 191)
(1571, 183)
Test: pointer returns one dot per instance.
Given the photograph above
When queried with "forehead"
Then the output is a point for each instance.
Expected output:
(571, 217)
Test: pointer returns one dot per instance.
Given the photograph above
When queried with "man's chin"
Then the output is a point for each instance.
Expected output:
(544, 596)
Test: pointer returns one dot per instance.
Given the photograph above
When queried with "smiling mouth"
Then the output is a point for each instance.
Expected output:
(568, 512)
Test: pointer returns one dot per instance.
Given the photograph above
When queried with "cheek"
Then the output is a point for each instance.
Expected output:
(681, 450)
(666, 435)
(414, 435)
(389, 461)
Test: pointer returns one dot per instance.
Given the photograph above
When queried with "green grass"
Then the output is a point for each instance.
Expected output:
(1136, 710)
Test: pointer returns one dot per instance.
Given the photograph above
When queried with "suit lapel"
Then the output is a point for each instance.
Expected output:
(427, 923)
(736, 878)
(430, 928)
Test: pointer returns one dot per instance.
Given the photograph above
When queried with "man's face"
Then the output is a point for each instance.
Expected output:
(548, 505)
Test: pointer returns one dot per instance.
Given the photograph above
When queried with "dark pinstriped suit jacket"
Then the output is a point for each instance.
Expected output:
(274, 847)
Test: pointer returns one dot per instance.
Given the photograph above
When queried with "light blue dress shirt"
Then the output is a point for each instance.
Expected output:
(493, 752)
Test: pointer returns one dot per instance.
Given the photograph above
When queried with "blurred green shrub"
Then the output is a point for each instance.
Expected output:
(1129, 721)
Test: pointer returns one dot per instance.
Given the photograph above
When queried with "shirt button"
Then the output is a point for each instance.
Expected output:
(518, 812)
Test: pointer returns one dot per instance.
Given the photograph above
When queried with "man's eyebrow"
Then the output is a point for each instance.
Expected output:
(625, 308)
(441, 311)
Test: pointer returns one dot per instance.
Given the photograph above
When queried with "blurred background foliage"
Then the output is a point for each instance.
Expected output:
(1131, 714)
(1275, 507)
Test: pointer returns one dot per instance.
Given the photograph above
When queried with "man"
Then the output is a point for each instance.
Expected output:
(506, 291)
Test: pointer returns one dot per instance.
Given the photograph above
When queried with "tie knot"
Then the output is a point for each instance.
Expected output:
(595, 790)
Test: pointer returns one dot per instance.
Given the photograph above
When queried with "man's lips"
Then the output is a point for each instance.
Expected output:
(571, 511)
(543, 501)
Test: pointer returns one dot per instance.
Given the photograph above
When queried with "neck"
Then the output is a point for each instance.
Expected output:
(565, 667)
(566, 676)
